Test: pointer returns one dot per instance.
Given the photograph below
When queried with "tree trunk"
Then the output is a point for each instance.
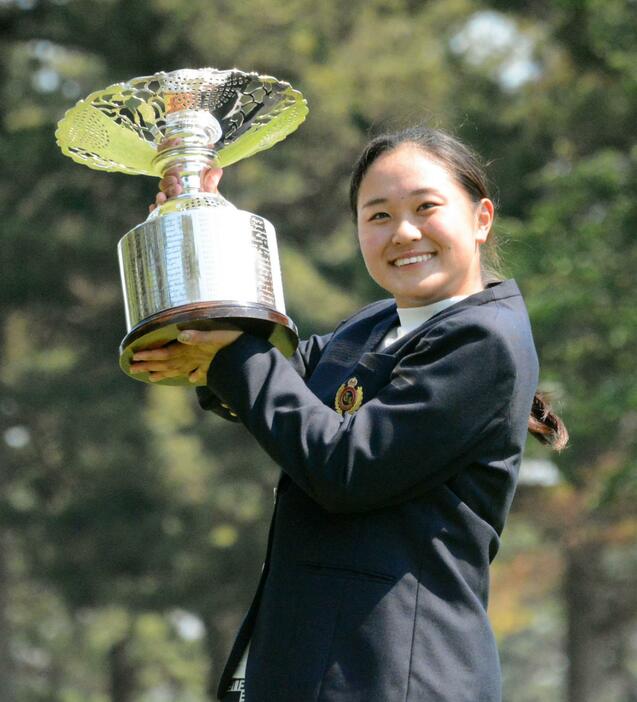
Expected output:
(582, 609)
(220, 633)
(7, 682)
(122, 673)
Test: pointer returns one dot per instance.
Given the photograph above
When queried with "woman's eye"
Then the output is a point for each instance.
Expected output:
(378, 215)
(426, 205)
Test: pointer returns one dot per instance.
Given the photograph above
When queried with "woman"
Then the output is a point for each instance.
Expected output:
(399, 437)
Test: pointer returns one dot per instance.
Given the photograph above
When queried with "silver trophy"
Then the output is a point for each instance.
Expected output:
(197, 262)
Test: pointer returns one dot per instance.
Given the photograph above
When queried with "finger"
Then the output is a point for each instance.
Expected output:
(171, 185)
(211, 178)
(158, 366)
(160, 198)
(169, 180)
(167, 351)
(137, 368)
(198, 375)
(174, 191)
(154, 377)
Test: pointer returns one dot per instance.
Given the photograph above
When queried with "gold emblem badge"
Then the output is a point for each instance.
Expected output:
(349, 397)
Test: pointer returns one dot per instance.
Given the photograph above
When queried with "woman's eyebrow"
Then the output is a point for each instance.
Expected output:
(382, 200)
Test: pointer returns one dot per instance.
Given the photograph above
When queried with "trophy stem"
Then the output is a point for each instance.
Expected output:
(191, 182)
(188, 147)
(188, 164)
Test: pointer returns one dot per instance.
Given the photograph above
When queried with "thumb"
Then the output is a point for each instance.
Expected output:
(211, 178)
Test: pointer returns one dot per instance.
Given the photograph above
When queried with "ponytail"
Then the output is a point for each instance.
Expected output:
(545, 425)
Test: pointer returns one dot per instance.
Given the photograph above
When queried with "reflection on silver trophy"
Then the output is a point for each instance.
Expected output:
(197, 262)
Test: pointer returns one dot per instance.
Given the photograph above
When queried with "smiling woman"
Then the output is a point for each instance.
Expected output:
(419, 231)
(399, 438)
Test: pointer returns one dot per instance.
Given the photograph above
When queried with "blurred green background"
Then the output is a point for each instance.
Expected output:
(132, 525)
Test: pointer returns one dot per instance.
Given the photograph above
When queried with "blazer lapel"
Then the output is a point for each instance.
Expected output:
(349, 355)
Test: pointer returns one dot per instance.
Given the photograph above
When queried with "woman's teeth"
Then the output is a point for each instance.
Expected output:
(412, 259)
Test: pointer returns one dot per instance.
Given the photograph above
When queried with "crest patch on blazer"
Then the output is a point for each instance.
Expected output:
(349, 397)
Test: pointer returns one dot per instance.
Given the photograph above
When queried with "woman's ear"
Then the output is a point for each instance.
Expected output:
(484, 219)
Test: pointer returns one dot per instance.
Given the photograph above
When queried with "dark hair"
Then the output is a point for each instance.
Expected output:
(546, 426)
(464, 164)
(461, 161)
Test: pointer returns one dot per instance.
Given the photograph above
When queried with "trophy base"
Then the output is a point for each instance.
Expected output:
(162, 328)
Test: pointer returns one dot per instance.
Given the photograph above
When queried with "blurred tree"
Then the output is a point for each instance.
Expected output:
(577, 223)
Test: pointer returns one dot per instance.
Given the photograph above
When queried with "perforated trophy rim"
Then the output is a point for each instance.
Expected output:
(288, 118)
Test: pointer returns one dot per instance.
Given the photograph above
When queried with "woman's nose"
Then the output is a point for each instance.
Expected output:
(406, 231)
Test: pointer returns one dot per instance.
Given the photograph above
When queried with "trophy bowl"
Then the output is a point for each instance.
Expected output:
(197, 262)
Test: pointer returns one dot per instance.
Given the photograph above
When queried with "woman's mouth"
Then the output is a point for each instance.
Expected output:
(406, 260)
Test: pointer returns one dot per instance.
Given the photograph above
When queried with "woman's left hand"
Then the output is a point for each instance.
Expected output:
(189, 356)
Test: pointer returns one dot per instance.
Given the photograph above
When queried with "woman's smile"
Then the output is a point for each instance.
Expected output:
(409, 259)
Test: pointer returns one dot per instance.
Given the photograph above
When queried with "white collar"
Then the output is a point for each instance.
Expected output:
(412, 317)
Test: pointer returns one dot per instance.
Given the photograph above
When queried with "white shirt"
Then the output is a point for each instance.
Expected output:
(412, 317)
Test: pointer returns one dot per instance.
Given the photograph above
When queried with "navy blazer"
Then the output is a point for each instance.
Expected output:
(375, 582)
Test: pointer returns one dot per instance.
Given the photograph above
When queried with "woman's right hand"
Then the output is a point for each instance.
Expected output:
(170, 185)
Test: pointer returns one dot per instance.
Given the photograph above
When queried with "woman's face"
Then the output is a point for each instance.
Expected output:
(419, 231)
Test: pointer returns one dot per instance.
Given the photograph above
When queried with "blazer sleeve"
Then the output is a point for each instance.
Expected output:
(443, 401)
(303, 361)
